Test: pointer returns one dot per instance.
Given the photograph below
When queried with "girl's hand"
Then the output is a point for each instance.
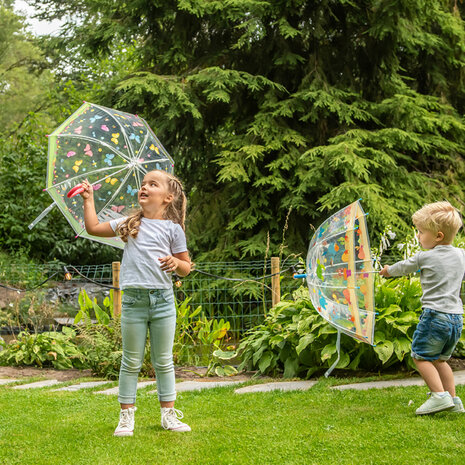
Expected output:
(168, 263)
(384, 272)
(88, 190)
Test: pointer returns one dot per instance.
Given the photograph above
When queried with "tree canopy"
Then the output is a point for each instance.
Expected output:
(278, 113)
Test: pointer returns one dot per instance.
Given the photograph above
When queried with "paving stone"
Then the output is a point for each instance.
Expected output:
(199, 385)
(77, 387)
(281, 386)
(8, 381)
(38, 384)
(114, 390)
(459, 377)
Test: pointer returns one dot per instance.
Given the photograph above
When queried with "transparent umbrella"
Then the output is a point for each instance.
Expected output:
(340, 274)
(113, 150)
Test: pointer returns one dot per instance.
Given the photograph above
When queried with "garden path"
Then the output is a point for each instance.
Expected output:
(206, 384)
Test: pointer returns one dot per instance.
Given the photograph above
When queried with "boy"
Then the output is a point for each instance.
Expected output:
(442, 269)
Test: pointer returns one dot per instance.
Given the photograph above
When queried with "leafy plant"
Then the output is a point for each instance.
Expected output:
(102, 346)
(88, 306)
(197, 337)
(296, 341)
(46, 349)
(218, 366)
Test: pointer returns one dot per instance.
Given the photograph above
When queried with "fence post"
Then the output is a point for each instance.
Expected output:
(275, 283)
(115, 267)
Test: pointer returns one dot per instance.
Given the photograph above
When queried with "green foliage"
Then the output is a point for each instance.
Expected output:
(197, 337)
(102, 347)
(49, 349)
(22, 179)
(89, 307)
(296, 341)
(24, 77)
(272, 105)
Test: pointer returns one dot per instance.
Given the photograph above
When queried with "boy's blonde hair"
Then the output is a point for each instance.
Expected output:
(438, 216)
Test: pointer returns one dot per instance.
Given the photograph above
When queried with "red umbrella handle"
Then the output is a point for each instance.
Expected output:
(75, 191)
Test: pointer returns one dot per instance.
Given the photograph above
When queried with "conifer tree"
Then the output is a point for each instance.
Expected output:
(290, 108)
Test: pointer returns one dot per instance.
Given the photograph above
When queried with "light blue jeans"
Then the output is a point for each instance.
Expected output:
(145, 310)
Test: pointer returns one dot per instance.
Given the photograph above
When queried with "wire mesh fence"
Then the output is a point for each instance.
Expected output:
(243, 299)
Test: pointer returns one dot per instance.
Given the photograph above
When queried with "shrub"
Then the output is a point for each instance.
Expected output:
(296, 341)
(48, 349)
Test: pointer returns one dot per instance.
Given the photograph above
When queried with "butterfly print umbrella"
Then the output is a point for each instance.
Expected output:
(340, 274)
(113, 150)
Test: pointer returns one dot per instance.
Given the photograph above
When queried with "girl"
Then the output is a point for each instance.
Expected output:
(155, 246)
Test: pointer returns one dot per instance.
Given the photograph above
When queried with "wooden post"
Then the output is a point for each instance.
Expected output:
(275, 283)
(115, 267)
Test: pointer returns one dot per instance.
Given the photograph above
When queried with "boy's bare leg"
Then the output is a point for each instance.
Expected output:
(430, 374)
(446, 375)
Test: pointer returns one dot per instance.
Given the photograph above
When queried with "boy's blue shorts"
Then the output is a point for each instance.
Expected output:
(436, 335)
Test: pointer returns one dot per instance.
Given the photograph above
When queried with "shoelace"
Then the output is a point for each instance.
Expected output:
(125, 419)
(172, 417)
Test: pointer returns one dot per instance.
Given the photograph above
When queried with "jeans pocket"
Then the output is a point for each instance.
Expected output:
(440, 329)
(168, 296)
(128, 300)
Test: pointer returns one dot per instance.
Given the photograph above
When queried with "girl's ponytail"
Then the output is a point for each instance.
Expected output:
(130, 226)
(176, 210)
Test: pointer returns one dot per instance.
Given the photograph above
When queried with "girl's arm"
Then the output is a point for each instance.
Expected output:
(179, 263)
(93, 226)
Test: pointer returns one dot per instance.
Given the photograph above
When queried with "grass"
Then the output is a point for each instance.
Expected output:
(319, 426)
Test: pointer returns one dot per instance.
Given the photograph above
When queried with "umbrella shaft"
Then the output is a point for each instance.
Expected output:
(44, 213)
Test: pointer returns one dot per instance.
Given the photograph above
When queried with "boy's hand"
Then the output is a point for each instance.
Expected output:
(384, 272)
(88, 190)
(168, 263)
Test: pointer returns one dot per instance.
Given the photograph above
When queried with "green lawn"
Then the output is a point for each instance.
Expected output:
(319, 426)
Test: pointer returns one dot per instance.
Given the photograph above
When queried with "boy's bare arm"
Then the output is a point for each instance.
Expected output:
(384, 272)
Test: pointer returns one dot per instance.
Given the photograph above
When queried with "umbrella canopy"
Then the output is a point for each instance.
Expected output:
(113, 150)
(340, 273)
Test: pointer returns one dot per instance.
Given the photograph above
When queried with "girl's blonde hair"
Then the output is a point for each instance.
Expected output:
(438, 216)
(175, 211)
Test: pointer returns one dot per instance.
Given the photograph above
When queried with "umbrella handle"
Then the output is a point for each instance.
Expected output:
(75, 191)
(298, 276)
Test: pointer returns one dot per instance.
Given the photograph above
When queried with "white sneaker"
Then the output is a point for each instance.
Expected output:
(170, 420)
(126, 422)
(436, 403)
(458, 406)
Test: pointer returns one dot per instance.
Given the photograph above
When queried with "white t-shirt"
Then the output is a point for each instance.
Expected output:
(140, 267)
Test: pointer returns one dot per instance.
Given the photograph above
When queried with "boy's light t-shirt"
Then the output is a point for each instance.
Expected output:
(140, 267)
(442, 271)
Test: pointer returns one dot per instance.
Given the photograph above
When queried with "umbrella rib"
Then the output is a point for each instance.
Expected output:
(359, 309)
(91, 139)
(117, 191)
(113, 116)
(334, 235)
(346, 264)
(143, 170)
(123, 167)
(314, 283)
(143, 142)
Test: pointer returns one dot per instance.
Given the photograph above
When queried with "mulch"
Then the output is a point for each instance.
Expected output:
(193, 373)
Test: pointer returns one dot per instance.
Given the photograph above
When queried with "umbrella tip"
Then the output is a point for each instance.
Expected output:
(75, 237)
(43, 190)
(47, 135)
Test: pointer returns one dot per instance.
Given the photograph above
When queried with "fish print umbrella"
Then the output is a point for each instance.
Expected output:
(113, 150)
(340, 274)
